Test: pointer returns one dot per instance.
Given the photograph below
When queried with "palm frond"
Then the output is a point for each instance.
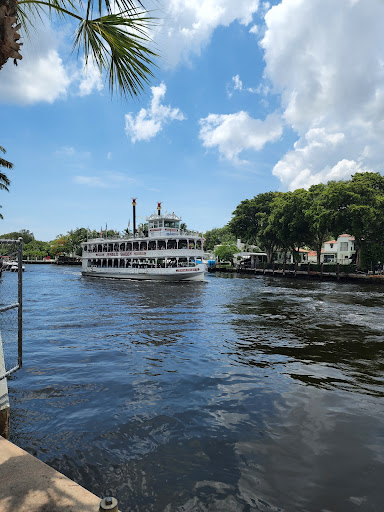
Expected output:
(6, 164)
(4, 182)
(119, 45)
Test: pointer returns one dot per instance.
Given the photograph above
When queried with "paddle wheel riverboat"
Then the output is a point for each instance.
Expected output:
(167, 253)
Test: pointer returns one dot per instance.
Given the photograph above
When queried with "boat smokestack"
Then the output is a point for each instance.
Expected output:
(134, 215)
(158, 208)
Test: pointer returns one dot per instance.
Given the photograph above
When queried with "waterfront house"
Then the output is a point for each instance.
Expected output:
(341, 251)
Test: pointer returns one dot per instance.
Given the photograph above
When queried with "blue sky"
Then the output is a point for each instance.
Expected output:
(249, 96)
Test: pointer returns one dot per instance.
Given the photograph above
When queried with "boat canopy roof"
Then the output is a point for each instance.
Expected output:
(165, 216)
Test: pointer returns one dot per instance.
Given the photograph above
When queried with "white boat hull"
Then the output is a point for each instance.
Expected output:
(154, 274)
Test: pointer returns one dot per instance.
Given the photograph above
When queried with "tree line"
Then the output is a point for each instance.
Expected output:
(274, 221)
(68, 244)
(304, 218)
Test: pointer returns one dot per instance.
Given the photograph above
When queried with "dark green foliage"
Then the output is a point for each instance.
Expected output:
(372, 254)
(302, 218)
(226, 252)
(217, 236)
(253, 222)
(25, 234)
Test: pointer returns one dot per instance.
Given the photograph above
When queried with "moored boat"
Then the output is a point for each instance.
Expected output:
(11, 266)
(166, 253)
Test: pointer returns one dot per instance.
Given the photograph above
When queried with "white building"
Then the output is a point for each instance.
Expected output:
(336, 251)
(280, 255)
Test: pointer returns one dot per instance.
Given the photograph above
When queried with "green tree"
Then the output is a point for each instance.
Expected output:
(25, 234)
(61, 246)
(226, 252)
(252, 222)
(371, 255)
(320, 217)
(289, 222)
(4, 180)
(37, 249)
(364, 215)
(218, 236)
(75, 238)
(113, 35)
(142, 229)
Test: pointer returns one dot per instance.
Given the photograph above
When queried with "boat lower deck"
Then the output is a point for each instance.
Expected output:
(157, 274)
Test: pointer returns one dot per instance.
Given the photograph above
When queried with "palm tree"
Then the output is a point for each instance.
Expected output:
(111, 34)
(4, 180)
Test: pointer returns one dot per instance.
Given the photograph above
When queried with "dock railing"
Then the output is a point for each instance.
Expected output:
(11, 301)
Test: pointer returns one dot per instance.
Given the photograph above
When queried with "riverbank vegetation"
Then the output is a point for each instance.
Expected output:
(303, 218)
(62, 245)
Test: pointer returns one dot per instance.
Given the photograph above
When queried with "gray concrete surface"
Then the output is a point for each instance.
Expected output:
(29, 485)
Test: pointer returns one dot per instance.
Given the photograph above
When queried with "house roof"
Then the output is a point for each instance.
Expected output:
(345, 235)
(331, 242)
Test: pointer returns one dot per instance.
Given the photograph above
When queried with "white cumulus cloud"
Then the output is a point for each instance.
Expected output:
(234, 133)
(150, 121)
(42, 78)
(325, 58)
(189, 24)
(90, 79)
(237, 85)
(42, 75)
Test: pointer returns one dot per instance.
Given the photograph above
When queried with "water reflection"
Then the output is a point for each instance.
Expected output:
(313, 334)
(236, 394)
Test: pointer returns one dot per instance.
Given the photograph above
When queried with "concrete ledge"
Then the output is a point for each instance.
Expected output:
(29, 485)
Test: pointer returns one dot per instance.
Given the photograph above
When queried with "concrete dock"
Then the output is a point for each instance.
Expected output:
(29, 485)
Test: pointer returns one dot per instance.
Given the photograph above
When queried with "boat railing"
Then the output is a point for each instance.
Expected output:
(125, 236)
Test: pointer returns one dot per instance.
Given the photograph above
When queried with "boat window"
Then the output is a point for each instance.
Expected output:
(182, 244)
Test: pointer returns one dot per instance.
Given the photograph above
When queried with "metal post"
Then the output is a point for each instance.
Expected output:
(134, 216)
(109, 504)
(20, 301)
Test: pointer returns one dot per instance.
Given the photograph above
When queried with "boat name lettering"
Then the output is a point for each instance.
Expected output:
(187, 270)
(117, 254)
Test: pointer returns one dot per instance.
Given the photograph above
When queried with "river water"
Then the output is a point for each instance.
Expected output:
(236, 394)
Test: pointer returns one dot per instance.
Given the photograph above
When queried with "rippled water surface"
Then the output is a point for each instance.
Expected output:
(237, 394)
